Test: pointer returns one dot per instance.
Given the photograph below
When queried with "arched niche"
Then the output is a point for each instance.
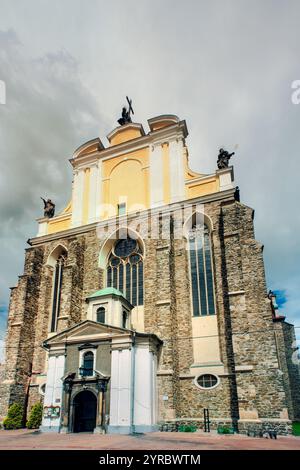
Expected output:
(197, 218)
(59, 250)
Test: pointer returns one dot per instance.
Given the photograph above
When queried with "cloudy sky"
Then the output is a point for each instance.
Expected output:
(226, 66)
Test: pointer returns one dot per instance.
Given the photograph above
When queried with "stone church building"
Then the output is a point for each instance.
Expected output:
(144, 301)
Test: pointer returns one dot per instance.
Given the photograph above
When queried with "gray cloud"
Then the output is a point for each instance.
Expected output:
(225, 67)
(48, 113)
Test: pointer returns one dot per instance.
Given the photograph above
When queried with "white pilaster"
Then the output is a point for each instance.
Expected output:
(98, 190)
(177, 185)
(42, 227)
(53, 392)
(226, 178)
(121, 391)
(154, 390)
(144, 401)
(156, 176)
(77, 197)
(93, 193)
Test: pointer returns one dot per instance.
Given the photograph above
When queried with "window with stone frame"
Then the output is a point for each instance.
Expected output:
(207, 381)
(100, 315)
(125, 270)
(201, 271)
(88, 364)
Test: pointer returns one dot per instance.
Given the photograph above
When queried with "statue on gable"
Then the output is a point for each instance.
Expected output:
(125, 119)
(126, 113)
(223, 159)
(49, 208)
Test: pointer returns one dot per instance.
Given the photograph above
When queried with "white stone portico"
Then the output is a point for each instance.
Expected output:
(124, 359)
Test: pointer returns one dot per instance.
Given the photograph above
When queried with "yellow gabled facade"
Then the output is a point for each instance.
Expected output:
(137, 171)
(126, 180)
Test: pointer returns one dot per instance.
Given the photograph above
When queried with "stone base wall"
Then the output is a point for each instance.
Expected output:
(282, 427)
(33, 398)
(4, 400)
(192, 400)
(173, 425)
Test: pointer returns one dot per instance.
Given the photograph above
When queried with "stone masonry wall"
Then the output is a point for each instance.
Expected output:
(251, 386)
(250, 352)
(288, 361)
(159, 317)
(30, 312)
(251, 391)
(21, 332)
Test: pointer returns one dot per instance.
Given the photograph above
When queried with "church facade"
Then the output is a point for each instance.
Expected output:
(144, 302)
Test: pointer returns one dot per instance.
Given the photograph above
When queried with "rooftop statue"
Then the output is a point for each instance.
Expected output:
(126, 118)
(223, 158)
(237, 194)
(49, 208)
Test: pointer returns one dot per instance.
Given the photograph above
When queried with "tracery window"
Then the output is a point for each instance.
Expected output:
(57, 285)
(125, 270)
(201, 273)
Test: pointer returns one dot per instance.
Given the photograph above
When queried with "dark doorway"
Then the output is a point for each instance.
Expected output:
(85, 410)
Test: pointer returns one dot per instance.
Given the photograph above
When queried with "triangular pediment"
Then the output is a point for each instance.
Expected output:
(87, 331)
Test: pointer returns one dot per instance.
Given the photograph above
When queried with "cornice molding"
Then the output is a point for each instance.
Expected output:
(164, 209)
(87, 145)
(158, 137)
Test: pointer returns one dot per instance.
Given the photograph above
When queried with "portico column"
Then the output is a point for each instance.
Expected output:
(66, 408)
(101, 388)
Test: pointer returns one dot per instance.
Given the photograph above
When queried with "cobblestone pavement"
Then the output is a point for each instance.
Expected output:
(24, 439)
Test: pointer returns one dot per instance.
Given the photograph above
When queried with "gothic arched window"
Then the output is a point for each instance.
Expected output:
(100, 315)
(57, 285)
(125, 270)
(202, 284)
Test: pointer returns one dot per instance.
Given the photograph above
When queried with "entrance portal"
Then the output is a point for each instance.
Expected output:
(85, 410)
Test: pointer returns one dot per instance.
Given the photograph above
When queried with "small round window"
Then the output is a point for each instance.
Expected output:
(207, 381)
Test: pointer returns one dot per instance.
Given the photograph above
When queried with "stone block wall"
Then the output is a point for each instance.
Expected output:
(30, 312)
(21, 332)
(249, 349)
(251, 387)
(289, 365)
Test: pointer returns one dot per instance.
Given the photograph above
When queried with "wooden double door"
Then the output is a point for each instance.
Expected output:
(85, 412)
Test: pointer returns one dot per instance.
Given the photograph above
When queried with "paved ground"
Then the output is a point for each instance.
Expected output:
(24, 439)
